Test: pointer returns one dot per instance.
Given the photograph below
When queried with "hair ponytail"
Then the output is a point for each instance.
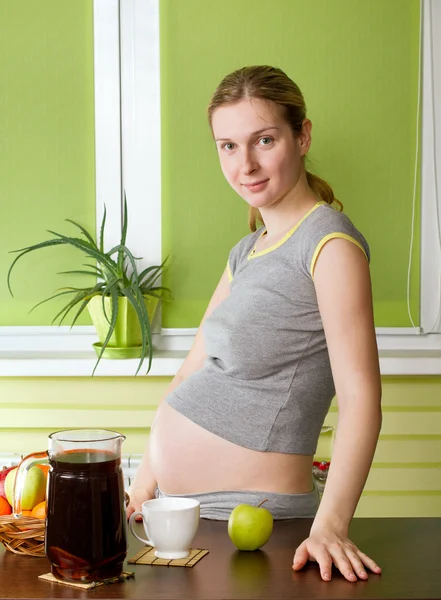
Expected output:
(253, 217)
(322, 189)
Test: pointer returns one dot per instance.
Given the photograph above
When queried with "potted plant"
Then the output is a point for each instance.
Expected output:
(122, 302)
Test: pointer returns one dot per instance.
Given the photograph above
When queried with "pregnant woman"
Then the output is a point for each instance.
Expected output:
(289, 326)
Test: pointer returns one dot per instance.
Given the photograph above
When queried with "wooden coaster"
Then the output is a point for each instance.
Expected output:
(87, 586)
(146, 556)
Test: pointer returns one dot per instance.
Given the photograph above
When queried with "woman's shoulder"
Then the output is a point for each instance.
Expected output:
(326, 220)
(327, 214)
(324, 224)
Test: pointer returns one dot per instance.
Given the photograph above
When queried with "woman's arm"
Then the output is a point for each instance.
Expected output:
(344, 297)
(143, 486)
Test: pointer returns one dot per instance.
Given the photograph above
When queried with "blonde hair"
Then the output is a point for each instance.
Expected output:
(271, 84)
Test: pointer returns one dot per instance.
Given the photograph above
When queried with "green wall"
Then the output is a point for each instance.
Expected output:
(356, 63)
(47, 169)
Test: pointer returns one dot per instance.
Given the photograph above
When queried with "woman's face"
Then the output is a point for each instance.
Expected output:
(258, 153)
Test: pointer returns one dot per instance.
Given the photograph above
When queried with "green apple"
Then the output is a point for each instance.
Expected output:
(34, 490)
(250, 527)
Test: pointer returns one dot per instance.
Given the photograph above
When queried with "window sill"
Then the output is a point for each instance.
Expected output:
(60, 352)
(410, 362)
(81, 364)
(166, 363)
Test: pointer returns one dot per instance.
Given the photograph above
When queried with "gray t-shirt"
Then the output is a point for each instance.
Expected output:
(267, 382)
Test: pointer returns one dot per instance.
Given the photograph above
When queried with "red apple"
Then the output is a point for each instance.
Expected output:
(3, 473)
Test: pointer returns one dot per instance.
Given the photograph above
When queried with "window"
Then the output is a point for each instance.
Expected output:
(138, 23)
(128, 151)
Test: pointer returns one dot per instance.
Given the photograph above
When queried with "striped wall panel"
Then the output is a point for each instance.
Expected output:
(405, 479)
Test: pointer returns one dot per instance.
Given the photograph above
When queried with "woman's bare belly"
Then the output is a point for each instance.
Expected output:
(187, 459)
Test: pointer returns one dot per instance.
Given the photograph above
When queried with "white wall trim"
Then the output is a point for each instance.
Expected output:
(430, 286)
(128, 123)
(65, 352)
(79, 339)
(141, 127)
(81, 364)
(62, 352)
(107, 86)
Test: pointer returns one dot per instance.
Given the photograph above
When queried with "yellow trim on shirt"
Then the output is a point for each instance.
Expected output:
(229, 273)
(323, 241)
(254, 254)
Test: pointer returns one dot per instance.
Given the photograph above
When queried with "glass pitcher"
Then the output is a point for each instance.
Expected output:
(86, 535)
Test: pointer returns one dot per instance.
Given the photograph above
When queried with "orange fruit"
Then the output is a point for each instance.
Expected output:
(5, 507)
(39, 510)
(26, 513)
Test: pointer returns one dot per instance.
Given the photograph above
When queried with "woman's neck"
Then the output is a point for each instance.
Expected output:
(288, 211)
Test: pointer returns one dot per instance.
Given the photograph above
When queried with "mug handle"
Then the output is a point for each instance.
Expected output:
(131, 521)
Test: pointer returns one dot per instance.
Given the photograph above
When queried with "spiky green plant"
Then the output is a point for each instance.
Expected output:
(114, 277)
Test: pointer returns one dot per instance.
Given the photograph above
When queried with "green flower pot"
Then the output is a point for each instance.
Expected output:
(127, 332)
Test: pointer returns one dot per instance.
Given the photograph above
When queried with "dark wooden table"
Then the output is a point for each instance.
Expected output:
(408, 550)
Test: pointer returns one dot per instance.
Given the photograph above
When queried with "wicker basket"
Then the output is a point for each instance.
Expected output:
(23, 535)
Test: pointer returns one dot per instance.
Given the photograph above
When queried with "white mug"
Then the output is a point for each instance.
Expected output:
(170, 525)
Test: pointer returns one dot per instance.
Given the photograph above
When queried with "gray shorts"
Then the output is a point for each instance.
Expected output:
(218, 505)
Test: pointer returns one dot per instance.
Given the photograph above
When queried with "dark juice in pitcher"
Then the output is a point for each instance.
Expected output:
(86, 537)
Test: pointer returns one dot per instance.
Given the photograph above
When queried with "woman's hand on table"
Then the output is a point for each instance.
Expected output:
(327, 547)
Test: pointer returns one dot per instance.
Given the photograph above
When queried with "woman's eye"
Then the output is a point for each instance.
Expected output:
(265, 141)
(228, 146)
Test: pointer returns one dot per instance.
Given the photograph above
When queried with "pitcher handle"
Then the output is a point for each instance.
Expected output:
(20, 478)
(131, 521)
